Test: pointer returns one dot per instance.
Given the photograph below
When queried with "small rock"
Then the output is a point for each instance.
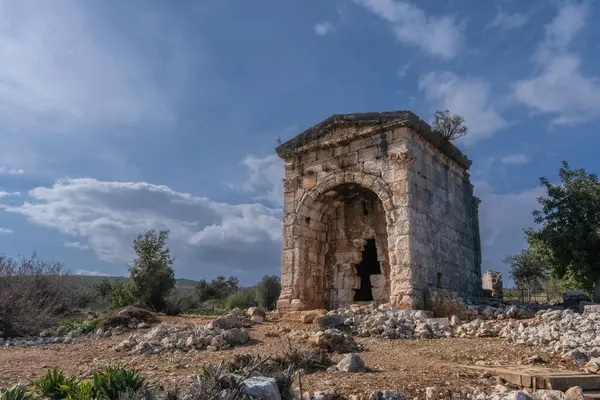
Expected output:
(574, 393)
(351, 363)
(431, 393)
(329, 321)
(386, 395)
(257, 319)
(593, 365)
(263, 388)
(255, 311)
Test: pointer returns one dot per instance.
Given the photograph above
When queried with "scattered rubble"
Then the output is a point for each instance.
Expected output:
(222, 333)
(335, 340)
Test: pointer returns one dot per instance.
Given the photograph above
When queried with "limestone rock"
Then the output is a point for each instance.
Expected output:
(257, 319)
(351, 363)
(329, 321)
(593, 366)
(386, 395)
(255, 311)
(263, 388)
(235, 336)
(574, 393)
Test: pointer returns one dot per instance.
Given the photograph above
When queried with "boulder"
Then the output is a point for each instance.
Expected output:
(257, 319)
(351, 363)
(593, 366)
(260, 387)
(255, 311)
(235, 336)
(225, 322)
(329, 321)
(574, 393)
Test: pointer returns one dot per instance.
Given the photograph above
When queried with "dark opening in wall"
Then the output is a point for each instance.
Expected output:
(438, 283)
(368, 266)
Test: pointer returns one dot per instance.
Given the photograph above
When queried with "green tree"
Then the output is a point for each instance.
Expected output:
(527, 270)
(219, 288)
(121, 295)
(152, 274)
(569, 234)
(448, 125)
(268, 291)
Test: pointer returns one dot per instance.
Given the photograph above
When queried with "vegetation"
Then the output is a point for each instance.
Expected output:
(152, 275)
(236, 300)
(219, 288)
(449, 126)
(569, 237)
(36, 294)
(267, 291)
(527, 270)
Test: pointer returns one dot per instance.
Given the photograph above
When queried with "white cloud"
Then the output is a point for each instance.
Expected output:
(506, 21)
(502, 219)
(6, 231)
(560, 88)
(89, 273)
(204, 233)
(324, 28)
(59, 64)
(518, 159)
(439, 36)
(11, 171)
(468, 97)
(77, 245)
(265, 176)
(7, 194)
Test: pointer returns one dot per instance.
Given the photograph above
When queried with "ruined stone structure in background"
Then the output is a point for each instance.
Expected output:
(492, 283)
(378, 207)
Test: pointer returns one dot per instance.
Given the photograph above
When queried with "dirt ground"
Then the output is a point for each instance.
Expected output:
(405, 366)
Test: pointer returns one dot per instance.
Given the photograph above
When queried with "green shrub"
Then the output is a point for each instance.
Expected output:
(268, 291)
(121, 295)
(115, 381)
(236, 300)
(55, 385)
(15, 393)
(84, 326)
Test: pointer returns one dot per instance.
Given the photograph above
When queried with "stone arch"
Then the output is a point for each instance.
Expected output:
(321, 268)
(335, 179)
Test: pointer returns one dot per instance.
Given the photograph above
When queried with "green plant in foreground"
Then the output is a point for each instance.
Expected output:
(55, 385)
(113, 382)
(15, 393)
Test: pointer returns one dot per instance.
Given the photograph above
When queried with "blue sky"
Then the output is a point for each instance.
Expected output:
(117, 117)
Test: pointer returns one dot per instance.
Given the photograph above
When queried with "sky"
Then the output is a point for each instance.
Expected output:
(119, 117)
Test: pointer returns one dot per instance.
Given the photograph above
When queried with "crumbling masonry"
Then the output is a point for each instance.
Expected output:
(378, 207)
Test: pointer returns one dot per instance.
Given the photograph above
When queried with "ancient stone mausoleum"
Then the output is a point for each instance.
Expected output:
(378, 207)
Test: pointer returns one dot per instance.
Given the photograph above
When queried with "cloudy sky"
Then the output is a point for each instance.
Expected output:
(117, 117)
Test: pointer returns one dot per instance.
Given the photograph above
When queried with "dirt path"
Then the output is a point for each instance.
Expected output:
(407, 366)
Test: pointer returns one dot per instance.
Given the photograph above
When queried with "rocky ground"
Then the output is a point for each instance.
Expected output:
(431, 353)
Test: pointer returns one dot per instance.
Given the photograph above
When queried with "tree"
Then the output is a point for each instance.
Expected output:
(527, 270)
(267, 291)
(569, 233)
(219, 288)
(448, 125)
(152, 274)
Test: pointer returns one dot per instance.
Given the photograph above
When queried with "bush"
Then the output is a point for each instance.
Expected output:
(268, 291)
(83, 326)
(121, 295)
(236, 300)
(35, 294)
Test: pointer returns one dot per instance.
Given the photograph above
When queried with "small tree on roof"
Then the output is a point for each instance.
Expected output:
(449, 126)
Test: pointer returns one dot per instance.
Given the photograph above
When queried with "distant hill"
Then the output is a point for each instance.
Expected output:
(91, 279)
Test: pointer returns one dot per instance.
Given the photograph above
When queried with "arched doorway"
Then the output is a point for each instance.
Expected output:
(356, 258)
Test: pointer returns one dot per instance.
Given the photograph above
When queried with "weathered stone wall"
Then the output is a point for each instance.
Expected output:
(444, 241)
(423, 218)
